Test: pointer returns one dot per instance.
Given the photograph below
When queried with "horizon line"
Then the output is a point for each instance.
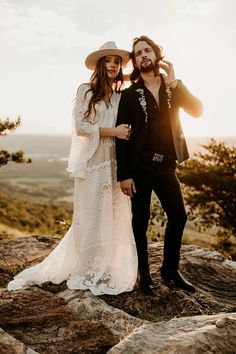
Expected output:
(65, 135)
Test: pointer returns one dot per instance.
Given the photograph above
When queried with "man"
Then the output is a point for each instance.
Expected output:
(147, 161)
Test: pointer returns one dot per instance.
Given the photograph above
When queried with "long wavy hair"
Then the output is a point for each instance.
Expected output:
(158, 50)
(99, 82)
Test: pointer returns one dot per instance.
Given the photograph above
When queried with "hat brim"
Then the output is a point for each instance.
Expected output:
(92, 59)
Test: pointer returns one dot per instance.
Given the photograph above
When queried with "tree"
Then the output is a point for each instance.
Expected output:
(5, 126)
(211, 187)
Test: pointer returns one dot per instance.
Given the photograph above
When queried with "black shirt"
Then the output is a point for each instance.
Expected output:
(159, 135)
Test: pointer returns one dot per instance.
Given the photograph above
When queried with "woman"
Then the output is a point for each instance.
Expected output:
(98, 252)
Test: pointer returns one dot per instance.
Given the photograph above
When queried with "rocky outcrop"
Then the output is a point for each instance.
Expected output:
(43, 322)
(17, 254)
(49, 320)
(22, 252)
(89, 307)
(10, 345)
(192, 335)
(213, 276)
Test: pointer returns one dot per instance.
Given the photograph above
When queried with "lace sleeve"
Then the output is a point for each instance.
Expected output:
(85, 136)
(82, 127)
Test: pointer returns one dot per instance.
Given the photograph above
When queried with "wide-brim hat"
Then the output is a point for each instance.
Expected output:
(109, 48)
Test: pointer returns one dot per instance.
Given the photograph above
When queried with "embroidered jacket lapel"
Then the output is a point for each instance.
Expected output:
(140, 93)
(165, 96)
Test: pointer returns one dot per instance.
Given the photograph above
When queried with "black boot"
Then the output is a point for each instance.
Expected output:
(146, 284)
(178, 279)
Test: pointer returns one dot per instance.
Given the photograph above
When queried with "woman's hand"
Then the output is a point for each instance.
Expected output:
(122, 131)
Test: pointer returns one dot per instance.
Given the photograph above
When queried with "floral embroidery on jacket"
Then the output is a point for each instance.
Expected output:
(143, 103)
(169, 95)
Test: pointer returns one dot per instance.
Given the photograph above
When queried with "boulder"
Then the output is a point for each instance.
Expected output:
(192, 335)
(22, 252)
(10, 345)
(43, 322)
(90, 307)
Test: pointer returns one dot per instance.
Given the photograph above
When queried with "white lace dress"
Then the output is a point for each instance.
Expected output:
(98, 252)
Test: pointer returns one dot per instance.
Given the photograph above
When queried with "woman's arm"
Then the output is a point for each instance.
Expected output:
(83, 127)
(122, 131)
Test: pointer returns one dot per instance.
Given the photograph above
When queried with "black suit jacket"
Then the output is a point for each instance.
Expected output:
(132, 111)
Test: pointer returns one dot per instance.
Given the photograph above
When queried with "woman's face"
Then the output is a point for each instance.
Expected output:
(112, 64)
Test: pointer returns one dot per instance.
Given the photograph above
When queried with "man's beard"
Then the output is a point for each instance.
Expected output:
(147, 68)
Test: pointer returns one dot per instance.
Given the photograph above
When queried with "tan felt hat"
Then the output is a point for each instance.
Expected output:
(109, 48)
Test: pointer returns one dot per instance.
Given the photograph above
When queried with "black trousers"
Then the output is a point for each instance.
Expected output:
(161, 178)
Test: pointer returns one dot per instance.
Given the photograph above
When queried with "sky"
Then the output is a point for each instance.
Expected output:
(43, 45)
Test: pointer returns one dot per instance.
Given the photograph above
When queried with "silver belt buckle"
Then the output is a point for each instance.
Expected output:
(157, 157)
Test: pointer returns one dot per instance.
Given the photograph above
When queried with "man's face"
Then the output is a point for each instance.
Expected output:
(145, 57)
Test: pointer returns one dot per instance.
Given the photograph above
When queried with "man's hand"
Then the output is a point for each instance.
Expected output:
(128, 187)
(169, 76)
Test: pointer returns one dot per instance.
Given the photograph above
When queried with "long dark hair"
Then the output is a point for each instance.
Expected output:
(158, 50)
(99, 81)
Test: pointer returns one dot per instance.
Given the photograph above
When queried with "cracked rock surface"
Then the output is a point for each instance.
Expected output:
(54, 319)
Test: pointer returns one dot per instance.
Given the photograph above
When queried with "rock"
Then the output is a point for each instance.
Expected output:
(90, 307)
(21, 253)
(43, 322)
(78, 322)
(10, 345)
(4, 278)
(192, 335)
(212, 275)
(18, 254)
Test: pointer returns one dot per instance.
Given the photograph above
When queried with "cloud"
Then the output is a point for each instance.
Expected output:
(35, 29)
(44, 44)
(200, 8)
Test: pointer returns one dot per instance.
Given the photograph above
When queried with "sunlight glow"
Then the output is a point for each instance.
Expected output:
(43, 47)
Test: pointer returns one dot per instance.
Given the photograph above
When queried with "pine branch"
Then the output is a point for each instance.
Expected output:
(7, 125)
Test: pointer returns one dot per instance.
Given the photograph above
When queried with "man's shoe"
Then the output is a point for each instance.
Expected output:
(146, 288)
(148, 279)
(146, 285)
(178, 279)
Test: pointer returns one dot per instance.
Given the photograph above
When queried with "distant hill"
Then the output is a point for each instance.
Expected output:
(38, 197)
(29, 213)
(57, 147)
(38, 146)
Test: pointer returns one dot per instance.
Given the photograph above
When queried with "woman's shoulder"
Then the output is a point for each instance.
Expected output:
(83, 92)
(85, 85)
(83, 88)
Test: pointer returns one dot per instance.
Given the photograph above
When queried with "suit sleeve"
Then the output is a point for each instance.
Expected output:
(123, 146)
(186, 100)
